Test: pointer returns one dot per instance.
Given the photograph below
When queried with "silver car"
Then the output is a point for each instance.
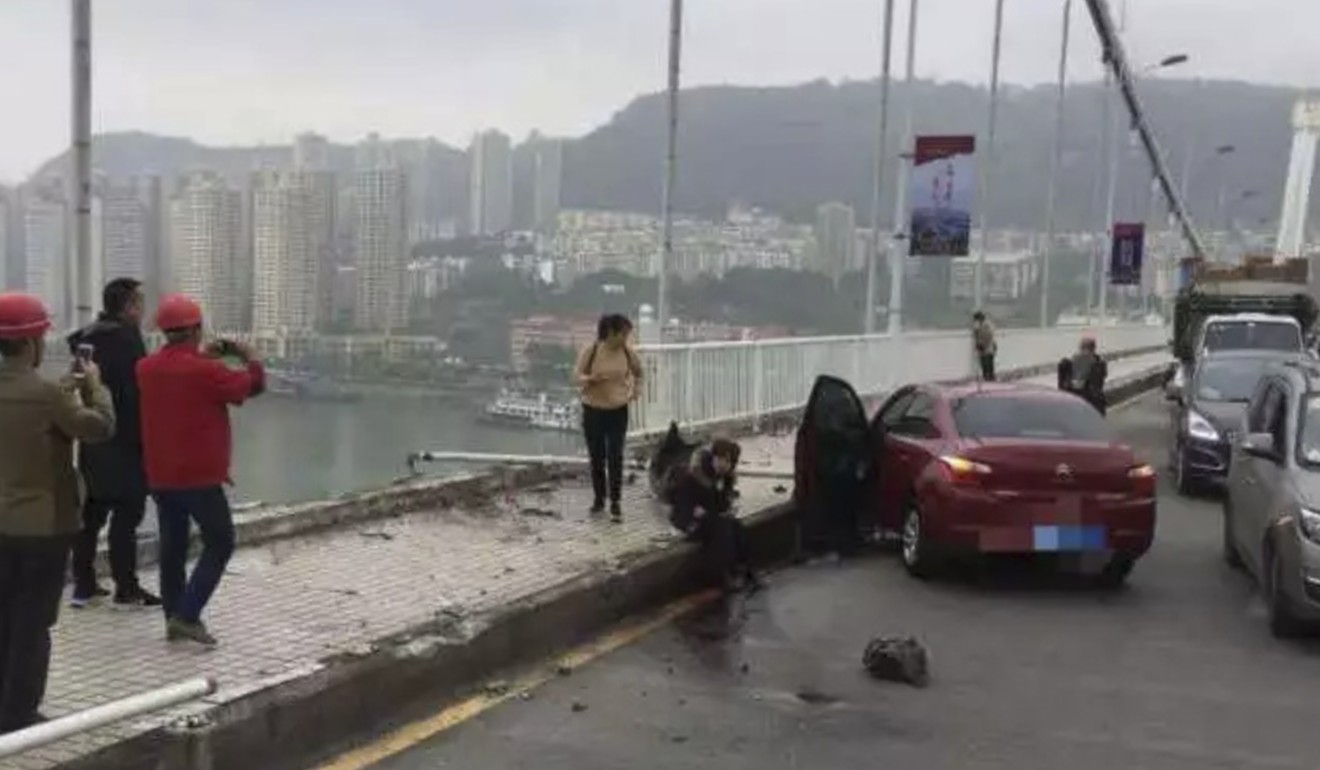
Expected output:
(1272, 505)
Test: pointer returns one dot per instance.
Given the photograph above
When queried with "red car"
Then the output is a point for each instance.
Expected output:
(977, 469)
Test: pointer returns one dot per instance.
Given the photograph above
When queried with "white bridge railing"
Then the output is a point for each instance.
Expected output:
(706, 383)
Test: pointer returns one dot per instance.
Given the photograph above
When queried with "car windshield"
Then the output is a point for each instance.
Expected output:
(1027, 417)
(1252, 335)
(1308, 439)
(1230, 379)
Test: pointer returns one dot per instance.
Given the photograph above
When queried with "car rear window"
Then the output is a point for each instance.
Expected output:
(1028, 417)
(1252, 335)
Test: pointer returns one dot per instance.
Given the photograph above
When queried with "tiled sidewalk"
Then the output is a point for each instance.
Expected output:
(288, 605)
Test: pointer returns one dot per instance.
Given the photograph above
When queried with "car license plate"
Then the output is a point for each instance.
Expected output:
(1070, 538)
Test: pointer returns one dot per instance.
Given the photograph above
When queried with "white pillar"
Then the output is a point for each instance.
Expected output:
(1297, 191)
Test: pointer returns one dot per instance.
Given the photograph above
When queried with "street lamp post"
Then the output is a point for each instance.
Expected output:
(1056, 161)
(987, 170)
(881, 151)
(671, 166)
(897, 246)
(83, 288)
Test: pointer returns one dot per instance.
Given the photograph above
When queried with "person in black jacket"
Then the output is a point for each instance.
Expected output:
(1085, 374)
(701, 494)
(113, 472)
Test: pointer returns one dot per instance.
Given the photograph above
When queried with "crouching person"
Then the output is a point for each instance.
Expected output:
(701, 495)
(1085, 374)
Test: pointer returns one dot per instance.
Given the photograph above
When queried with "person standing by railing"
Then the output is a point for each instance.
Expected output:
(113, 473)
(39, 421)
(983, 339)
(186, 393)
(609, 376)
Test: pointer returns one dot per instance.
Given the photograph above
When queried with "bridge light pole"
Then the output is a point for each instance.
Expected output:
(898, 247)
(987, 169)
(1056, 161)
(671, 167)
(881, 151)
(79, 287)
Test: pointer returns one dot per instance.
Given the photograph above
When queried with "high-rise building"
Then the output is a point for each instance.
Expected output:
(426, 207)
(381, 248)
(491, 183)
(16, 264)
(311, 152)
(126, 231)
(5, 282)
(836, 239)
(547, 183)
(46, 226)
(206, 227)
(292, 231)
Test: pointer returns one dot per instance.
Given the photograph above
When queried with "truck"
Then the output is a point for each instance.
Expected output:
(1256, 290)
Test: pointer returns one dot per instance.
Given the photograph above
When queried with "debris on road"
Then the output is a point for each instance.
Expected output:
(496, 689)
(816, 697)
(376, 535)
(579, 707)
(540, 513)
(898, 659)
(562, 670)
(780, 489)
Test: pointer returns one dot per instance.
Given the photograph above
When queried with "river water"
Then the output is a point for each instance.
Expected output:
(288, 450)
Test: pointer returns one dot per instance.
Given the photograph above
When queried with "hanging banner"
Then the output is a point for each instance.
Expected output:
(942, 188)
(1125, 260)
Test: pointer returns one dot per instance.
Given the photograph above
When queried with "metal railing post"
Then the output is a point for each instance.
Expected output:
(689, 385)
(758, 376)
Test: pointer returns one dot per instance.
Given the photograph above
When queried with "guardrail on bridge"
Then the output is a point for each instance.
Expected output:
(704, 383)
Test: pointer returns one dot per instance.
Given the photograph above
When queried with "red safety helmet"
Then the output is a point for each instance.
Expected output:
(178, 311)
(22, 316)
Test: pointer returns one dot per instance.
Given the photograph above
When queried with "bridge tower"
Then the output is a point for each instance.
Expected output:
(1297, 191)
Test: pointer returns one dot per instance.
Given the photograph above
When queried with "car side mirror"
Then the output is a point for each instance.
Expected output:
(1260, 445)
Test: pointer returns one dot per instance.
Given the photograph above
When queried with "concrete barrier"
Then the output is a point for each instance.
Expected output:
(291, 720)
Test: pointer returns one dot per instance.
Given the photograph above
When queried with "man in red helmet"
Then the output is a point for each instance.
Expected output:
(186, 391)
(39, 497)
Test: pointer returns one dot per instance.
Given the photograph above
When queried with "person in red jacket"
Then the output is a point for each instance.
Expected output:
(186, 391)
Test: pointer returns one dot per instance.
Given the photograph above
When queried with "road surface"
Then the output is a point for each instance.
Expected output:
(1029, 671)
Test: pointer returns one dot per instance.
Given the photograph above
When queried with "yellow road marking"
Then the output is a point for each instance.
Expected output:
(415, 733)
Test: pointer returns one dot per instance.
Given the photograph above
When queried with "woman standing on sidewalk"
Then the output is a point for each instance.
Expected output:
(609, 375)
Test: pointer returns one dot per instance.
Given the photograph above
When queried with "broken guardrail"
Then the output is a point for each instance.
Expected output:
(45, 733)
(416, 459)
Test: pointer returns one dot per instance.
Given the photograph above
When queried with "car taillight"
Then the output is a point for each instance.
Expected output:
(962, 470)
(1143, 478)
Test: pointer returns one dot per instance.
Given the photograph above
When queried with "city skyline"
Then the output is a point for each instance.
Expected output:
(522, 65)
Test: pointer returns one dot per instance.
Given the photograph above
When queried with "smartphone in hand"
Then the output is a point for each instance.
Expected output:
(82, 357)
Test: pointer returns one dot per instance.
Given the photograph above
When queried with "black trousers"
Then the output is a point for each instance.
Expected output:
(606, 430)
(724, 548)
(124, 516)
(31, 582)
(987, 366)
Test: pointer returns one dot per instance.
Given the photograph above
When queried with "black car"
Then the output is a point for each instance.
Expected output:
(1207, 411)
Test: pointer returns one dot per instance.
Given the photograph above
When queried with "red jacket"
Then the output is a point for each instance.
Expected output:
(185, 399)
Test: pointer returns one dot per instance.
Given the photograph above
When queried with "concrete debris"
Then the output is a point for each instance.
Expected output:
(631, 479)
(377, 535)
(815, 697)
(744, 668)
(780, 489)
(540, 513)
(496, 688)
(678, 739)
(579, 707)
(563, 670)
(898, 659)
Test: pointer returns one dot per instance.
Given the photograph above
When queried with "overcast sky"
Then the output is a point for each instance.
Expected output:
(250, 71)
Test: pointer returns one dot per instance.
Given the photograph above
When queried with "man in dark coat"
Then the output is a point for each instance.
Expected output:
(701, 495)
(113, 472)
(1085, 374)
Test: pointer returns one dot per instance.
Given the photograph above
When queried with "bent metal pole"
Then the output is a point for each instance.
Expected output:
(105, 714)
